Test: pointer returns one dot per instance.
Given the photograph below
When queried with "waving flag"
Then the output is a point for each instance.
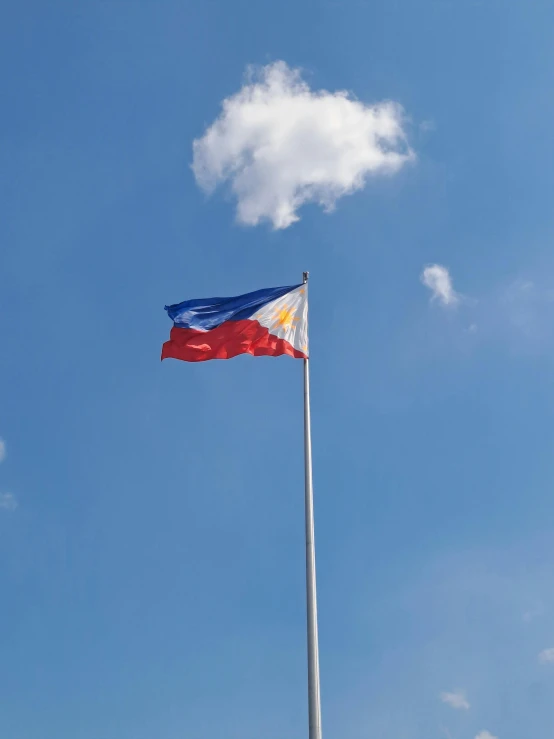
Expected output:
(267, 322)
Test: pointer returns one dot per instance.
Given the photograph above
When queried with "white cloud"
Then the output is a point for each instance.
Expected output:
(457, 699)
(2, 450)
(546, 656)
(533, 613)
(485, 735)
(8, 501)
(282, 145)
(437, 279)
(427, 126)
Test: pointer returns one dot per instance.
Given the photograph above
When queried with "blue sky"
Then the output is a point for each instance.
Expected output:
(151, 531)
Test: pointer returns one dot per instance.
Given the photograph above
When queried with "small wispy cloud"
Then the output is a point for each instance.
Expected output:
(527, 308)
(2, 450)
(437, 279)
(427, 126)
(546, 657)
(281, 144)
(485, 735)
(456, 699)
(533, 613)
(8, 502)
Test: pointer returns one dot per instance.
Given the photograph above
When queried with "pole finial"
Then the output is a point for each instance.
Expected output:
(305, 276)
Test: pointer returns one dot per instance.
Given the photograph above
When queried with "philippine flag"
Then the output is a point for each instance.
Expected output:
(267, 322)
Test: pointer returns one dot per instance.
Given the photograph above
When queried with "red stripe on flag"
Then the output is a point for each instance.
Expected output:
(227, 340)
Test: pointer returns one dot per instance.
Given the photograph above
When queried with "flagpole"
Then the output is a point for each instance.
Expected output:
(314, 702)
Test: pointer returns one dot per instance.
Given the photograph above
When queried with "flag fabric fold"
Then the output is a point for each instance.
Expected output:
(269, 322)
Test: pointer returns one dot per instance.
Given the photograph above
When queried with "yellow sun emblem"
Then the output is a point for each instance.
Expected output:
(284, 317)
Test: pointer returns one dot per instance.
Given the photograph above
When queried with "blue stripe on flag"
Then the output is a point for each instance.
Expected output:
(205, 314)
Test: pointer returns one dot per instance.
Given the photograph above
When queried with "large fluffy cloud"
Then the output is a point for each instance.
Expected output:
(281, 145)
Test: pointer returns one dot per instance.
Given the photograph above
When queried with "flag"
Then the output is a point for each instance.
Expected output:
(267, 322)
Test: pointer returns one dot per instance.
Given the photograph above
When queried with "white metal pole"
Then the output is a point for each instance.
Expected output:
(314, 701)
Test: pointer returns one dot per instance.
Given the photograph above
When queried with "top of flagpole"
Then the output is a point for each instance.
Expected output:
(305, 276)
